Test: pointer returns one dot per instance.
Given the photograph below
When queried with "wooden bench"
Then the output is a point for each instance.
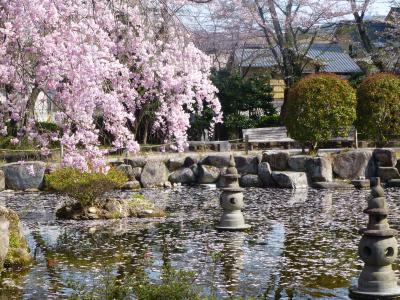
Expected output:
(266, 135)
(270, 135)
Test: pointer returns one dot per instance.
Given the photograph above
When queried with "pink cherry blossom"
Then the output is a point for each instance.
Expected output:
(91, 58)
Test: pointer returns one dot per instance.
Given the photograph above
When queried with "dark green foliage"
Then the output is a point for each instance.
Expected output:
(47, 127)
(199, 123)
(244, 100)
(83, 186)
(378, 107)
(320, 107)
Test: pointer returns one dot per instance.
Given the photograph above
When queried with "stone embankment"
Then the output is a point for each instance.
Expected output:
(271, 168)
(14, 251)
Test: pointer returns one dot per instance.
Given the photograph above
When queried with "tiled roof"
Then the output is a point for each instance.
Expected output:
(332, 56)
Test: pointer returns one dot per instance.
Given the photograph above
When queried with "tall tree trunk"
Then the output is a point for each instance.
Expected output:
(366, 42)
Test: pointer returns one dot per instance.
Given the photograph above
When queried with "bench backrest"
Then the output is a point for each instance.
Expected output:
(268, 134)
(277, 134)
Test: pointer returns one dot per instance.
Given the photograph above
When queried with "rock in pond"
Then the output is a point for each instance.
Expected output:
(17, 253)
(278, 160)
(131, 185)
(361, 183)
(136, 172)
(2, 181)
(250, 180)
(191, 160)
(297, 162)
(110, 208)
(127, 170)
(354, 164)
(385, 157)
(22, 176)
(175, 163)
(219, 161)
(319, 169)
(185, 175)
(154, 174)
(290, 180)
(208, 174)
(334, 185)
(265, 174)
(393, 183)
(4, 240)
(388, 173)
(246, 164)
(135, 162)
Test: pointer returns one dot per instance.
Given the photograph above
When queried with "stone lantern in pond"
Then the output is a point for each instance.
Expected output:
(378, 250)
(231, 201)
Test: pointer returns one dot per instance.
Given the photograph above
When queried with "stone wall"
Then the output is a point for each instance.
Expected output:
(272, 168)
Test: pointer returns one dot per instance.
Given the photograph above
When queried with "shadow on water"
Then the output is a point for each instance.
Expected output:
(302, 244)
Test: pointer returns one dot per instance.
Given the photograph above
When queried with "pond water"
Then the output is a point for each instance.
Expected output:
(302, 244)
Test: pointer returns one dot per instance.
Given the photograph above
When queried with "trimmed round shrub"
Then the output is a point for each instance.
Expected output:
(84, 186)
(378, 107)
(320, 107)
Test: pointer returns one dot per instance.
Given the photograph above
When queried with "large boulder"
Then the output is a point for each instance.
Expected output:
(184, 175)
(154, 174)
(4, 240)
(297, 162)
(319, 169)
(136, 162)
(290, 180)
(247, 164)
(278, 160)
(354, 164)
(191, 160)
(175, 163)
(2, 181)
(385, 157)
(17, 256)
(208, 174)
(132, 185)
(127, 170)
(265, 174)
(22, 176)
(136, 172)
(219, 161)
(388, 173)
(250, 180)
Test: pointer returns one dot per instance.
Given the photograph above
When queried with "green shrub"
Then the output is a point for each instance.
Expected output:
(47, 127)
(320, 107)
(175, 285)
(268, 121)
(378, 107)
(83, 186)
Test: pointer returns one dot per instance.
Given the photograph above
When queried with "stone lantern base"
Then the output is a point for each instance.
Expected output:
(355, 293)
(232, 221)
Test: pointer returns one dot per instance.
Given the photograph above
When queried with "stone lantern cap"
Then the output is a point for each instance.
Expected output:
(231, 176)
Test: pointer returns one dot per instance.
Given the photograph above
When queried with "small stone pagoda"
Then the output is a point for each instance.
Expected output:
(231, 201)
(378, 250)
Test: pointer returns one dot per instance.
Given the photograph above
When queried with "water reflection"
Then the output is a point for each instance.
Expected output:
(302, 245)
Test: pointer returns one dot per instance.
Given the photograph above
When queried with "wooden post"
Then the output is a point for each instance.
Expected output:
(246, 144)
(356, 138)
(62, 151)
